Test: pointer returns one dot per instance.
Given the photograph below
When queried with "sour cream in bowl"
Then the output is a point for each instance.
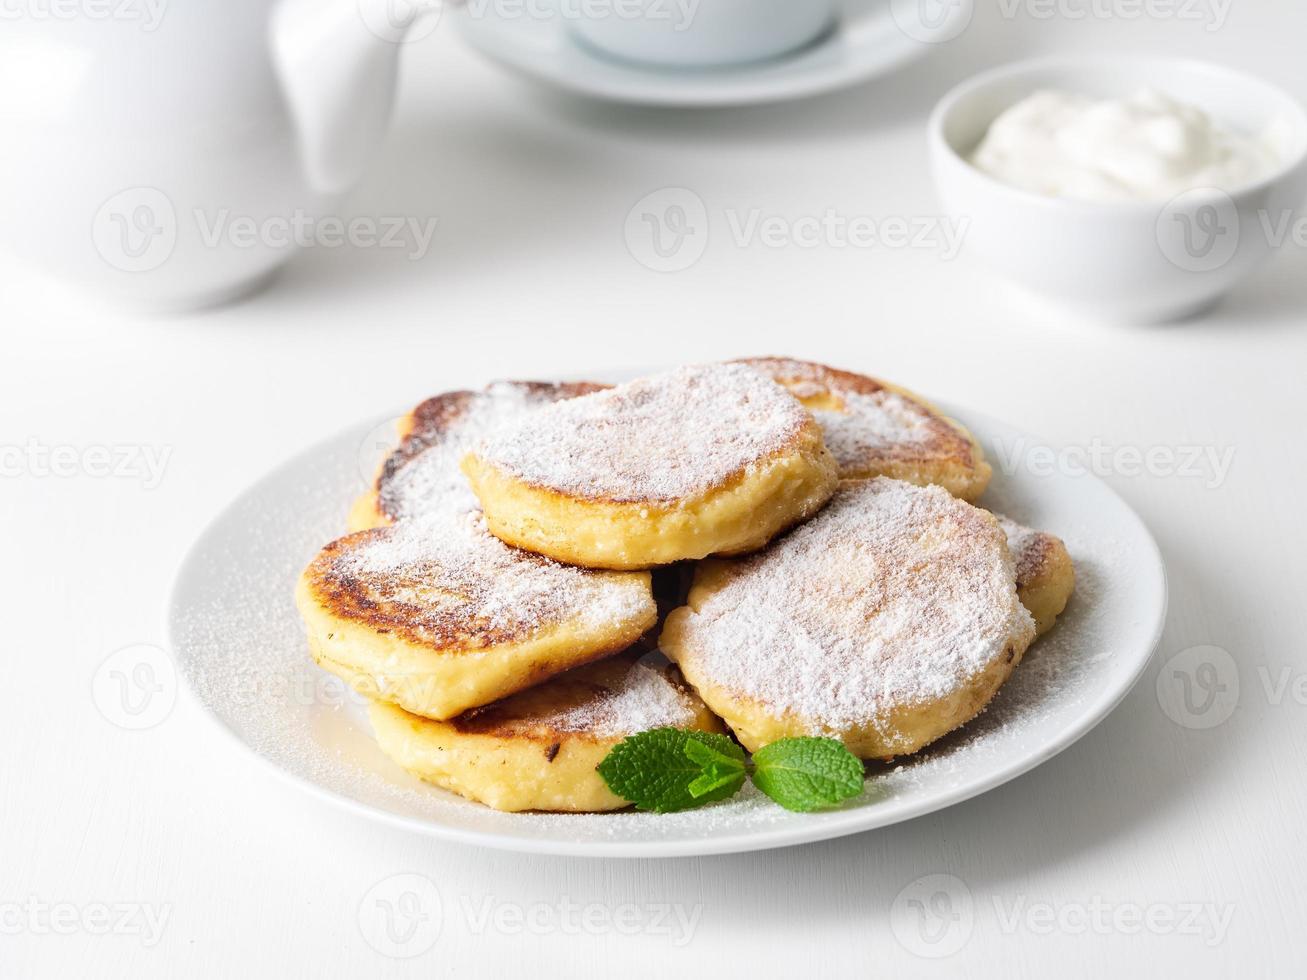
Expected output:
(1134, 189)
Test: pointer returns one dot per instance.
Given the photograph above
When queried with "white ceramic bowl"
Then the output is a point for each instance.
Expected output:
(1136, 261)
(703, 33)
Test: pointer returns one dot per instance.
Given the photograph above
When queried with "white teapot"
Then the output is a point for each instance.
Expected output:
(171, 153)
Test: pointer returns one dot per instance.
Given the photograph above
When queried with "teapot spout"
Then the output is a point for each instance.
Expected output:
(337, 61)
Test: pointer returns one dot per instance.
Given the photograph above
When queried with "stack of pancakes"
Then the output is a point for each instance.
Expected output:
(803, 534)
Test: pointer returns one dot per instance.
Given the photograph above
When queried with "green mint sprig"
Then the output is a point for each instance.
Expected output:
(666, 769)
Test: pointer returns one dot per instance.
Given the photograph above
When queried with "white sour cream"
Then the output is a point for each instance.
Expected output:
(1147, 147)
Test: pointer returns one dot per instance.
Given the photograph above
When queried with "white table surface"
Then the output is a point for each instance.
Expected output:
(529, 275)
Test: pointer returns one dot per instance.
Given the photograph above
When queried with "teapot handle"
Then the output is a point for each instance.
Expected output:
(337, 61)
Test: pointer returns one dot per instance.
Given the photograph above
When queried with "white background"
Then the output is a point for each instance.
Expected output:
(529, 276)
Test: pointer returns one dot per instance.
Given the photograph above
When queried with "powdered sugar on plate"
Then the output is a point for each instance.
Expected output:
(893, 595)
(659, 439)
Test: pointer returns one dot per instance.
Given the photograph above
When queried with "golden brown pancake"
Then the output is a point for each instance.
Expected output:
(539, 749)
(708, 459)
(439, 617)
(886, 621)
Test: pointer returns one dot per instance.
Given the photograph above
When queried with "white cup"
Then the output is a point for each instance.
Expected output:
(701, 33)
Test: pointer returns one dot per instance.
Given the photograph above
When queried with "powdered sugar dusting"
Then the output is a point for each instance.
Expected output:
(446, 581)
(893, 595)
(633, 701)
(662, 438)
(1026, 545)
(868, 423)
(884, 424)
(431, 481)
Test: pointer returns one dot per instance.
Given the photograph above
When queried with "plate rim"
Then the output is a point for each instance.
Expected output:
(830, 827)
(733, 88)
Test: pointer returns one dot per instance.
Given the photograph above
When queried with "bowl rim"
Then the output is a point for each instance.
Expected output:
(942, 149)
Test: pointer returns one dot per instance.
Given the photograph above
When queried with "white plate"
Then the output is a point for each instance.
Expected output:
(872, 37)
(239, 644)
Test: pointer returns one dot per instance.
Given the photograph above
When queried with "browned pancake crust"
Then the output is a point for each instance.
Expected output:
(384, 602)
(528, 714)
(816, 383)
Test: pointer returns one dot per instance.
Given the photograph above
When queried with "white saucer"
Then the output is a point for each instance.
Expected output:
(872, 37)
(240, 646)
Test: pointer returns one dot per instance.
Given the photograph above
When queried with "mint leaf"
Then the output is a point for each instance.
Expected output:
(654, 771)
(717, 779)
(806, 774)
(711, 752)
